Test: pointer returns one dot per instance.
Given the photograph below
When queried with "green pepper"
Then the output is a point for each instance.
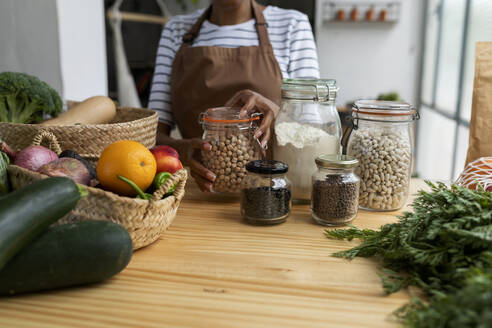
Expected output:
(141, 194)
(160, 179)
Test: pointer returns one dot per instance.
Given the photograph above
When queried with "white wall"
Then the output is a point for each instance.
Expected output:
(82, 48)
(29, 39)
(370, 58)
(60, 41)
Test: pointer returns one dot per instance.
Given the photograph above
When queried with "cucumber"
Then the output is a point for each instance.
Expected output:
(28, 211)
(68, 255)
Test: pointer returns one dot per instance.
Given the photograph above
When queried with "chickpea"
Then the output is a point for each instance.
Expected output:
(230, 153)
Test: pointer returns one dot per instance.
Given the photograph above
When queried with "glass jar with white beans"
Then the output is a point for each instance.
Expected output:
(381, 140)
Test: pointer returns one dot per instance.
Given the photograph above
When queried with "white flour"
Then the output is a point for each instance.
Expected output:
(298, 145)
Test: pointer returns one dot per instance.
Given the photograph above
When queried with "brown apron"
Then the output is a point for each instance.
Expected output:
(205, 77)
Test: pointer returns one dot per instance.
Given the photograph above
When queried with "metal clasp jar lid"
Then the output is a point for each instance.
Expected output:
(386, 110)
(226, 115)
(383, 112)
(322, 90)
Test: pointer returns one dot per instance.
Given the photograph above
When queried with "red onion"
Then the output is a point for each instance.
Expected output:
(33, 157)
(67, 167)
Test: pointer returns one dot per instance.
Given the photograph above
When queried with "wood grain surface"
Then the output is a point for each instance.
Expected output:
(212, 270)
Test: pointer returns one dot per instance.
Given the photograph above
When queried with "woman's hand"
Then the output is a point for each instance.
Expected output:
(190, 152)
(252, 102)
(203, 177)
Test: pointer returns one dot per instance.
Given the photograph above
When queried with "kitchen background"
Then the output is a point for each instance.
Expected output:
(424, 51)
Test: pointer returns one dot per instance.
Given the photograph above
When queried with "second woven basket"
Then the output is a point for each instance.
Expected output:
(138, 124)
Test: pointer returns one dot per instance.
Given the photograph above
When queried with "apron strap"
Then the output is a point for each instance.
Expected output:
(261, 26)
(195, 29)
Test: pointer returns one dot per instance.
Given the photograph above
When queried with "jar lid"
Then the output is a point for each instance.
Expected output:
(267, 167)
(227, 115)
(336, 161)
(385, 108)
(310, 89)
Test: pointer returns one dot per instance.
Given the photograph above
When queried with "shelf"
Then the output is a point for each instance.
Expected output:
(361, 11)
(139, 17)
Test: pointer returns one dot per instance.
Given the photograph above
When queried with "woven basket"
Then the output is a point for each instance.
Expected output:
(89, 141)
(145, 220)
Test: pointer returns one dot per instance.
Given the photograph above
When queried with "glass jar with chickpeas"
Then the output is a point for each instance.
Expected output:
(233, 146)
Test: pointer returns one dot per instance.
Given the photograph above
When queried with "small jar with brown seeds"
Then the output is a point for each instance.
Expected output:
(233, 146)
(335, 190)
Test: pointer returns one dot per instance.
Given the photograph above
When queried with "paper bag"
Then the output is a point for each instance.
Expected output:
(481, 115)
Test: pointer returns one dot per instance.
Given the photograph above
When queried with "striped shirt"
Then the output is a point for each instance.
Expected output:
(289, 32)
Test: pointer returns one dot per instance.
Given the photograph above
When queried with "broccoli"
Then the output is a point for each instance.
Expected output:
(26, 99)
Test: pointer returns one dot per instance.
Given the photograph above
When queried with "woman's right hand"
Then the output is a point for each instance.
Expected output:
(190, 151)
(203, 176)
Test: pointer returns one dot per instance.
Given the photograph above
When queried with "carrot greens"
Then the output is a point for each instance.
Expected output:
(443, 247)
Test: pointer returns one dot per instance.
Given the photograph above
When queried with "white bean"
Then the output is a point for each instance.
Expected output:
(384, 165)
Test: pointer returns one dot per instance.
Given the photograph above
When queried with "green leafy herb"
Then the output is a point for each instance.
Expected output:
(390, 96)
(470, 306)
(441, 244)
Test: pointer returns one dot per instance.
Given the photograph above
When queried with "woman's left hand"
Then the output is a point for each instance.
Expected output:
(252, 102)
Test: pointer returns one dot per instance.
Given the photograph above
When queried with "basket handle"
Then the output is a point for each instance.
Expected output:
(50, 137)
(178, 177)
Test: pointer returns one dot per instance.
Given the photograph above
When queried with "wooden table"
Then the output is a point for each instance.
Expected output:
(212, 270)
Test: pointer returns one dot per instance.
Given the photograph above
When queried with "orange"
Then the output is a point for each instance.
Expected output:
(129, 159)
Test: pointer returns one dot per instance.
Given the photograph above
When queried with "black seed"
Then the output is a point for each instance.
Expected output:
(265, 203)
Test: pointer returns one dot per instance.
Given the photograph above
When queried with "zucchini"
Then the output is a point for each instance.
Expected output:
(68, 255)
(4, 181)
(28, 211)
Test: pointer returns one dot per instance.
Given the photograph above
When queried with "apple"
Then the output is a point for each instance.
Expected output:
(167, 159)
(166, 149)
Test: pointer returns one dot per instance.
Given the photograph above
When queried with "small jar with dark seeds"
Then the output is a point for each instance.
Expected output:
(266, 193)
(335, 191)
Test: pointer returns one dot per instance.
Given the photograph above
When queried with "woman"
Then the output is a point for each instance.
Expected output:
(236, 53)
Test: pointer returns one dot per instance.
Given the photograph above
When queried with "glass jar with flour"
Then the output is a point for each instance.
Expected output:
(307, 126)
